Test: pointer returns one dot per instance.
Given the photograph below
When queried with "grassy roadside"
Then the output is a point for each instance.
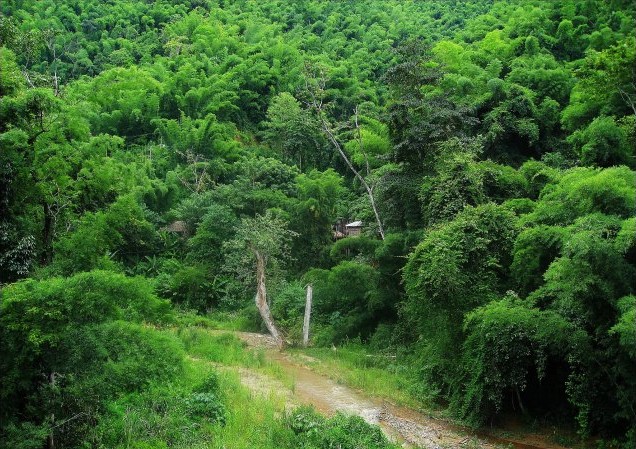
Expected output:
(225, 349)
(380, 375)
(386, 375)
(205, 407)
(208, 407)
(252, 421)
(389, 377)
(255, 421)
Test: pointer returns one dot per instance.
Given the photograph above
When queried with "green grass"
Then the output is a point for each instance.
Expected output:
(243, 320)
(252, 421)
(232, 321)
(158, 418)
(222, 348)
(225, 349)
(380, 375)
(352, 364)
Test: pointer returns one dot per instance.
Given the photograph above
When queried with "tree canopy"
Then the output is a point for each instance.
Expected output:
(159, 157)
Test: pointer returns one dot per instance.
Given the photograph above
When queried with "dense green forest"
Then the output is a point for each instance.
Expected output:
(160, 160)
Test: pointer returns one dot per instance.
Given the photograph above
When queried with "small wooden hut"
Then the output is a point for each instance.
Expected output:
(354, 228)
(344, 228)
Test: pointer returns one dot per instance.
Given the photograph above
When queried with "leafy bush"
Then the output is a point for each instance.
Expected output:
(206, 405)
(191, 287)
(156, 418)
(354, 248)
(349, 301)
(537, 175)
(341, 431)
(304, 420)
(507, 352)
(501, 182)
(603, 143)
(115, 357)
(586, 190)
(460, 264)
(383, 337)
(349, 432)
(288, 307)
(206, 400)
(122, 234)
(216, 227)
(68, 349)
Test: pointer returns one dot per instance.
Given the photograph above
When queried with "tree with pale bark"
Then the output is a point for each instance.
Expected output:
(315, 91)
(259, 249)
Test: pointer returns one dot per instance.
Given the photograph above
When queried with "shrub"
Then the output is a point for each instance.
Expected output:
(205, 401)
(340, 431)
(603, 143)
(206, 405)
(68, 348)
(508, 351)
(348, 299)
(359, 248)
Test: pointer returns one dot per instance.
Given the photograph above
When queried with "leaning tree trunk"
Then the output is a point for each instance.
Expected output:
(261, 301)
(332, 138)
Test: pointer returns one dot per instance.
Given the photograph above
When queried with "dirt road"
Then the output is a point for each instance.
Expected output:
(403, 425)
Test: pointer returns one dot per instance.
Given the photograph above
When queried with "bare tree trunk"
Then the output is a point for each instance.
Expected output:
(360, 143)
(317, 103)
(307, 315)
(50, 442)
(261, 301)
(627, 98)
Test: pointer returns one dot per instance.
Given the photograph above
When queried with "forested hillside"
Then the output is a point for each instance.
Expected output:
(164, 159)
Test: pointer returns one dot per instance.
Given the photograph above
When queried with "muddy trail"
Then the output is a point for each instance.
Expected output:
(403, 425)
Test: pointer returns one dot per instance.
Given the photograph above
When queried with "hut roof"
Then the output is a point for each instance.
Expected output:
(354, 224)
(177, 226)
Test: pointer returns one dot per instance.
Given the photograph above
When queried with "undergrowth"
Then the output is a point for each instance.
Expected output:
(208, 407)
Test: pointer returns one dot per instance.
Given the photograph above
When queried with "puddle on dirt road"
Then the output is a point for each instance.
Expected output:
(401, 424)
